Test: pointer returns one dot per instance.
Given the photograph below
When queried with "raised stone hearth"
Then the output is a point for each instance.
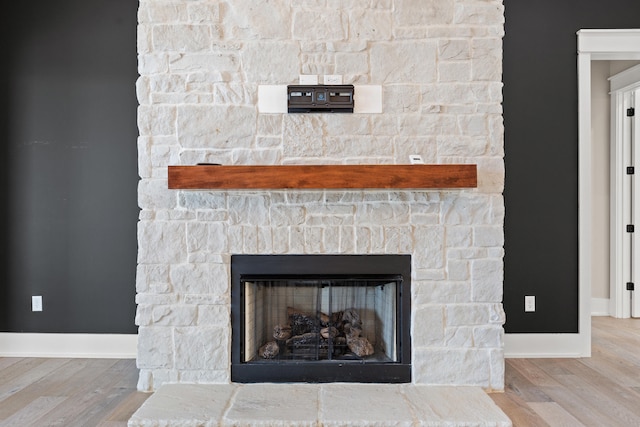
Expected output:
(313, 405)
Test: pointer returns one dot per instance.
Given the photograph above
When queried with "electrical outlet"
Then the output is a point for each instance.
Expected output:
(529, 303)
(36, 303)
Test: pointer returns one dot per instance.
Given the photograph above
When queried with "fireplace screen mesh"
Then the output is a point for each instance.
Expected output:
(320, 320)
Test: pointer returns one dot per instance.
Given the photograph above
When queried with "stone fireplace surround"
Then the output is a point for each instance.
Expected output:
(200, 63)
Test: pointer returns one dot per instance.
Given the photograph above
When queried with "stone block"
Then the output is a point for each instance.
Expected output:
(487, 277)
(202, 348)
(260, 65)
(154, 120)
(319, 24)
(155, 348)
(201, 12)
(462, 209)
(161, 242)
(153, 194)
(213, 315)
(430, 12)
(467, 314)
(458, 337)
(251, 20)
(174, 315)
(488, 336)
(182, 38)
(358, 404)
(428, 326)
(148, 275)
(454, 49)
(452, 366)
(491, 174)
(429, 247)
(479, 13)
(266, 404)
(404, 61)
(370, 24)
(438, 292)
(488, 235)
(459, 71)
(487, 59)
(457, 270)
(202, 126)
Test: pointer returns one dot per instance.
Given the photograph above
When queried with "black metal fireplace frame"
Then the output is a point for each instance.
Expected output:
(245, 267)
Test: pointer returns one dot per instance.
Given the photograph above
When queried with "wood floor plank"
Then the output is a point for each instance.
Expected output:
(532, 373)
(126, 407)
(52, 384)
(25, 373)
(516, 383)
(593, 395)
(520, 413)
(555, 415)
(5, 362)
(31, 415)
(89, 391)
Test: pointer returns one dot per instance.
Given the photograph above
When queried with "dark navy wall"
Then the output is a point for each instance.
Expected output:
(69, 168)
(541, 154)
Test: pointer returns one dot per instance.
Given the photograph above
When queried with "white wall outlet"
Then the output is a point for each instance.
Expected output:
(333, 79)
(308, 79)
(416, 159)
(529, 303)
(36, 303)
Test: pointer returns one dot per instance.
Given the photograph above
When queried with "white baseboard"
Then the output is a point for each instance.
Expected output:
(543, 346)
(93, 346)
(600, 307)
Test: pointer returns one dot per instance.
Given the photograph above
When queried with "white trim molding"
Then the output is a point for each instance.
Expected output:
(91, 346)
(542, 345)
(600, 307)
(603, 44)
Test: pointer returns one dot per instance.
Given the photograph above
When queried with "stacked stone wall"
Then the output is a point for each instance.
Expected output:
(439, 65)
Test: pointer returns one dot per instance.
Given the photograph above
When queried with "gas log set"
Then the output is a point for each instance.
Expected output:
(320, 336)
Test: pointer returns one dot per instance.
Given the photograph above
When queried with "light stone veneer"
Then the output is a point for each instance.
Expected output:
(315, 405)
(439, 64)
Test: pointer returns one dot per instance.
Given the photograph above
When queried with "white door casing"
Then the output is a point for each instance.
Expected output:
(616, 44)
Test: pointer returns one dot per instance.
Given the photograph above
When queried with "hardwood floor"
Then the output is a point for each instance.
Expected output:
(68, 392)
(603, 390)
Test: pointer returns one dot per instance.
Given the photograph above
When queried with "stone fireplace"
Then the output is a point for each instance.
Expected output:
(439, 65)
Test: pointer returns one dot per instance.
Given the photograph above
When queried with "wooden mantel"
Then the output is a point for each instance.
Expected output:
(203, 177)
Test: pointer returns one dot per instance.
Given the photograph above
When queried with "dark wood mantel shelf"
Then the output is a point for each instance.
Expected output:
(207, 177)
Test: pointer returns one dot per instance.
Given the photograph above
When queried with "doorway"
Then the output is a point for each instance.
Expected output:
(625, 194)
(593, 45)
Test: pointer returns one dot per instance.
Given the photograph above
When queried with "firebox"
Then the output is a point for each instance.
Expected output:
(321, 318)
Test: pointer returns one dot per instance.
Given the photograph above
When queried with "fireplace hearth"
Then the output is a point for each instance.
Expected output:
(321, 318)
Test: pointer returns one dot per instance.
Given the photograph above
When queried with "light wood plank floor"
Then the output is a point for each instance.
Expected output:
(603, 390)
(68, 392)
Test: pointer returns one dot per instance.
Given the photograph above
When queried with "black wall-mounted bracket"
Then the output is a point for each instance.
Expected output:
(320, 98)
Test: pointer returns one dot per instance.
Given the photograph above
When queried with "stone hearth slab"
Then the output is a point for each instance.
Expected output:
(316, 405)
